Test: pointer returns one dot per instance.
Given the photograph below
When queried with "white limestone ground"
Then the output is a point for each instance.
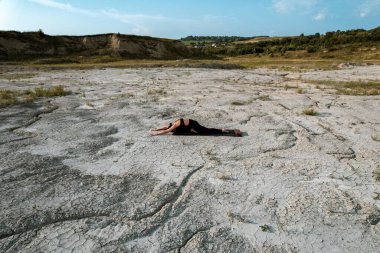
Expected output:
(80, 173)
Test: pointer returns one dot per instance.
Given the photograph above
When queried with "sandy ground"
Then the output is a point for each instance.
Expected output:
(81, 174)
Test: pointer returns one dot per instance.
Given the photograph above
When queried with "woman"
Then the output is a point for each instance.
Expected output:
(189, 126)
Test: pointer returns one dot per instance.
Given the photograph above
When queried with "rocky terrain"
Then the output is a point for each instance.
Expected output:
(16, 45)
(80, 173)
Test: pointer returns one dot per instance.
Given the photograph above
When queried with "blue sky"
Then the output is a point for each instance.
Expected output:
(179, 18)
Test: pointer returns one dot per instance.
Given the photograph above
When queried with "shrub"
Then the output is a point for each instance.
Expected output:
(311, 49)
(127, 95)
(264, 98)
(158, 91)
(265, 228)
(239, 103)
(353, 88)
(376, 174)
(310, 111)
(50, 92)
(8, 97)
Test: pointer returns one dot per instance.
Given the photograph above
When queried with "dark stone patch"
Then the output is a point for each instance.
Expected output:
(36, 191)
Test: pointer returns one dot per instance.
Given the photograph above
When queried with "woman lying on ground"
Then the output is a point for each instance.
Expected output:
(189, 126)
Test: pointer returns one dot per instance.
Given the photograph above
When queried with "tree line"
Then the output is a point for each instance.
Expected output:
(311, 43)
(217, 39)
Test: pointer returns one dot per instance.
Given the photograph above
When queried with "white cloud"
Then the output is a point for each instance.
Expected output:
(320, 16)
(160, 25)
(65, 7)
(287, 6)
(369, 7)
(138, 21)
(131, 18)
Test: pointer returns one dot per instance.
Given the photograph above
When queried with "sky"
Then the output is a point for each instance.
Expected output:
(179, 18)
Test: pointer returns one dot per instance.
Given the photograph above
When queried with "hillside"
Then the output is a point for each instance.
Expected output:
(16, 45)
(344, 42)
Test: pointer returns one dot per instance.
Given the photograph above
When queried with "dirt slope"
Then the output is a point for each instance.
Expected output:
(36, 44)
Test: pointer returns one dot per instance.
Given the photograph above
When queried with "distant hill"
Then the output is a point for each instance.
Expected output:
(15, 45)
(331, 41)
(218, 39)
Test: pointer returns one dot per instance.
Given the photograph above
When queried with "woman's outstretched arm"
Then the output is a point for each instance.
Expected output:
(159, 129)
(165, 131)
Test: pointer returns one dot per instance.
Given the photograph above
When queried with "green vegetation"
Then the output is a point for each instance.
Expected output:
(354, 88)
(8, 97)
(240, 102)
(127, 95)
(375, 137)
(202, 41)
(265, 228)
(157, 91)
(376, 174)
(17, 76)
(217, 38)
(347, 41)
(225, 177)
(264, 98)
(287, 87)
(50, 92)
(310, 111)
(212, 157)
(12, 97)
(233, 216)
(297, 53)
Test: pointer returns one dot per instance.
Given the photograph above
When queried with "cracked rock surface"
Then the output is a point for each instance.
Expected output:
(79, 173)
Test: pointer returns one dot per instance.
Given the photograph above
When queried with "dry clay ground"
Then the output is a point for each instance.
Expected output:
(80, 173)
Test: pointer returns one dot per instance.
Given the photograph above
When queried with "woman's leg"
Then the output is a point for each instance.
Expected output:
(204, 130)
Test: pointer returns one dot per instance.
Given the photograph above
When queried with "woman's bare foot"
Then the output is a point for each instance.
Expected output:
(237, 132)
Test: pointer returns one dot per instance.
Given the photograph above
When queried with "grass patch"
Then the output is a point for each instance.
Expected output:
(353, 88)
(54, 91)
(158, 91)
(266, 228)
(213, 65)
(290, 61)
(300, 91)
(8, 97)
(287, 64)
(127, 95)
(233, 216)
(11, 97)
(117, 62)
(225, 176)
(264, 98)
(375, 137)
(287, 87)
(376, 174)
(212, 157)
(17, 76)
(240, 102)
(310, 111)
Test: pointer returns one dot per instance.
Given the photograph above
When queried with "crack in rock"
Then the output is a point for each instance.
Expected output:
(36, 117)
(172, 199)
(190, 238)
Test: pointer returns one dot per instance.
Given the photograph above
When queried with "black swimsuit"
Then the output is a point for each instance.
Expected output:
(196, 127)
(182, 129)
